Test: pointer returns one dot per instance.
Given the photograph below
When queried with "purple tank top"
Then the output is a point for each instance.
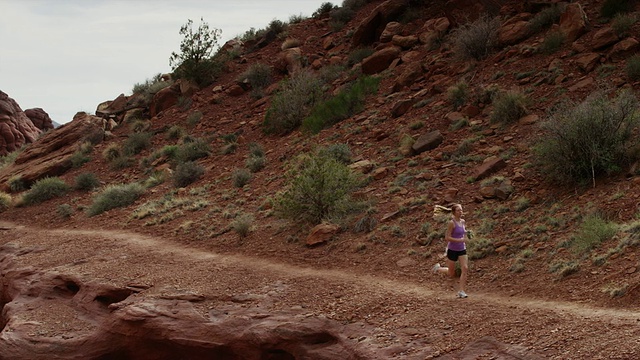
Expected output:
(458, 232)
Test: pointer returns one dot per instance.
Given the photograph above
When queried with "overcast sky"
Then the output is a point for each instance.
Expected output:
(67, 56)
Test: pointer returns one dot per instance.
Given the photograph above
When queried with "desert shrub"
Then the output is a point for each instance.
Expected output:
(353, 4)
(86, 181)
(621, 24)
(366, 223)
(112, 152)
(5, 201)
(150, 86)
(552, 42)
(589, 139)
(136, 142)
(192, 150)
(545, 18)
(45, 189)
(8, 159)
(348, 102)
(121, 162)
(475, 40)
(508, 107)
(78, 159)
(359, 54)
(187, 173)
(592, 232)
(632, 68)
(318, 188)
(194, 61)
(175, 132)
(324, 10)
(564, 268)
(115, 196)
(340, 17)
(480, 248)
(611, 8)
(458, 94)
(156, 178)
(241, 177)
(242, 224)
(17, 184)
(256, 150)
(194, 118)
(258, 75)
(292, 103)
(295, 19)
(277, 26)
(341, 152)
(64, 211)
(255, 163)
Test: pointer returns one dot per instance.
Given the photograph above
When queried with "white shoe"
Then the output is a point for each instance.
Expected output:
(435, 268)
(462, 294)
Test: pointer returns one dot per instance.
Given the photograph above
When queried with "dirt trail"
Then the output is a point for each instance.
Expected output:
(411, 315)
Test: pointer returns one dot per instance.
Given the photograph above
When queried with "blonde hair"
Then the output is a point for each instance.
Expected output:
(439, 210)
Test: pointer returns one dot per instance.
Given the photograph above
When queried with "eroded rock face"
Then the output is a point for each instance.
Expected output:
(39, 118)
(97, 321)
(51, 154)
(16, 129)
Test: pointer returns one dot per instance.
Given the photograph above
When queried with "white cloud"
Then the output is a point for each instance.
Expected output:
(67, 56)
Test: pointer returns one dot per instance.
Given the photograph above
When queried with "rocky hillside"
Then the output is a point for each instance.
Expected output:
(418, 144)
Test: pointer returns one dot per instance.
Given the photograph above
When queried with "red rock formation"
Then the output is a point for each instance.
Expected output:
(39, 118)
(16, 129)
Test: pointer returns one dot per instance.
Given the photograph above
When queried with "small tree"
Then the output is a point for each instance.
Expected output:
(196, 49)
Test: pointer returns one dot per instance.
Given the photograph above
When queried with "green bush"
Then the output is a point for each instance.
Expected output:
(585, 140)
(64, 211)
(348, 102)
(476, 40)
(318, 188)
(78, 159)
(632, 68)
(17, 184)
(458, 94)
(194, 118)
(187, 173)
(622, 23)
(5, 201)
(255, 163)
(115, 196)
(353, 4)
(292, 103)
(241, 177)
(258, 75)
(359, 54)
(112, 152)
(545, 18)
(136, 142)
(508, 107)
(552, 42)
(194, 61)
(9, 158)
(192, 150)
(86, 182)
(611, 8)
(324, 10)
(175, 132)
(340, 17)
(242, 224)
(340, 152)
(45, 189)
(593, 231)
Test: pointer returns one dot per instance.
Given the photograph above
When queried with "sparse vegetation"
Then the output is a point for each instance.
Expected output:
(115, 196)
(509, 107)
(5, 201)
(297, 96)
(86, 182)
(64, 211)
(545, 18)
(552, 42)
(589, 139)
(187, 173)
(475, 40)
(592, 232)
(45, 189)
(611, 8)
(258, 76)
(347, 103)
(458, 94)
(241, 177)
(194, 62)
(632, 68)
(622, 23)
(242, 224)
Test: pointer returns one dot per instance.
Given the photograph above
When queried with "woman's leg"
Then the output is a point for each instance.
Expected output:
(464, 270)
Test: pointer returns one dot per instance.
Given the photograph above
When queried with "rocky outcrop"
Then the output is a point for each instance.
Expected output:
(51, 154)
(16, 129)
(101, 321)
(39, 118)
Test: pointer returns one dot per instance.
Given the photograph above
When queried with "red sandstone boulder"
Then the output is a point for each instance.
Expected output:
(16, 129)
(39, 118)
